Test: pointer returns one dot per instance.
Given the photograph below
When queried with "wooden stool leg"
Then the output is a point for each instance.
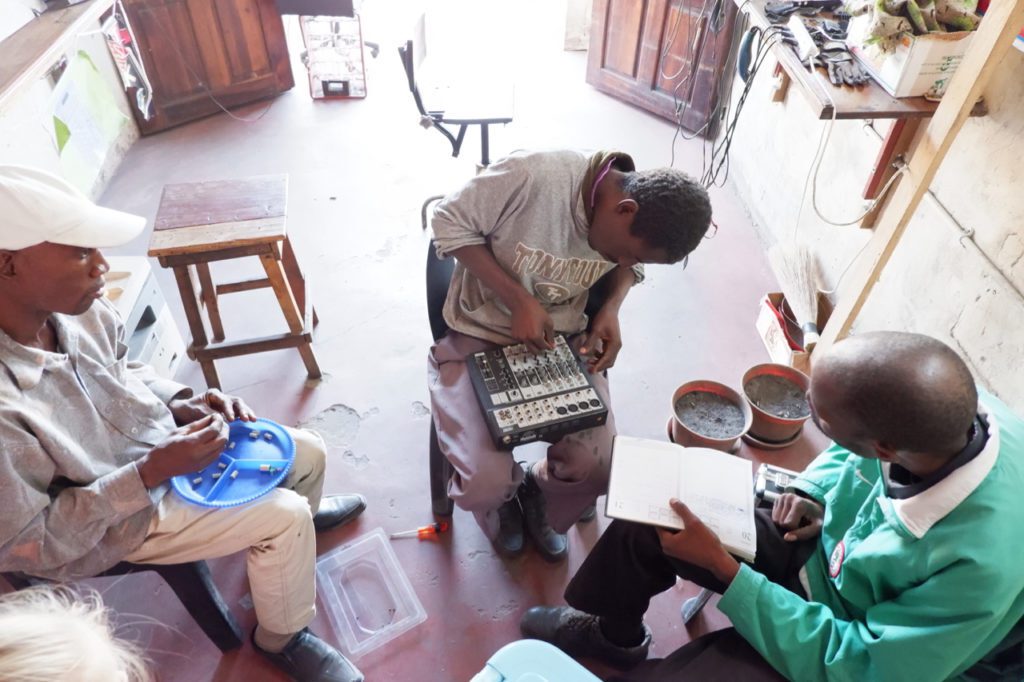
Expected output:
(292, 314)
(294, 274)
(296, 278)
(208, 294)
(195, 323)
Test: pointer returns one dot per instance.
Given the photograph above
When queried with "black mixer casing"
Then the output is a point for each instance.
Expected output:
(526, 397)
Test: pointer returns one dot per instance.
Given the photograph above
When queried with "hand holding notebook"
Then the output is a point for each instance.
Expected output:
(716, 487)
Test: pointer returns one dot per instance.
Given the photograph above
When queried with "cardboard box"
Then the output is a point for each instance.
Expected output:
(920, 65)
(773, 334)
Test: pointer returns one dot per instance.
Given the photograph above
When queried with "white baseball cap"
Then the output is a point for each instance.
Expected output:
(37, 207)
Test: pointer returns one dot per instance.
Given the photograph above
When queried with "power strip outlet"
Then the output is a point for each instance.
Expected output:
(805, 47)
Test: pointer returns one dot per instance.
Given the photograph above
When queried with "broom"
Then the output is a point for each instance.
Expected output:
(795, 266)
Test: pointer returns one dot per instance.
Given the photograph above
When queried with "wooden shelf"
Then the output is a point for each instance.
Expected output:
(869, 101)
(27, 54)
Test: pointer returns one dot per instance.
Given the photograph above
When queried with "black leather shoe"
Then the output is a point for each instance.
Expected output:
(552, 546)
(307, 658)
(579, 635)
(509, 541)
(337, 510)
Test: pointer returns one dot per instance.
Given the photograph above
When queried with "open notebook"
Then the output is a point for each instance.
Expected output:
(715, 486)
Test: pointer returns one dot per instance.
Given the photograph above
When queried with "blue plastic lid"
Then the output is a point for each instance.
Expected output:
(257, 458)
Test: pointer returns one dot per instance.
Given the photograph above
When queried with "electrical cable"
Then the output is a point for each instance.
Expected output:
(819, 155)
(678, 106)
(716, 153)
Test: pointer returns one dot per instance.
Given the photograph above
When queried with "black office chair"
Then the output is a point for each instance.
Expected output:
(193, 584)
(439, 276)
(462, 107)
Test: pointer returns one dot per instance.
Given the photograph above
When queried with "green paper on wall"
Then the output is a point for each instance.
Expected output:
(86, 121)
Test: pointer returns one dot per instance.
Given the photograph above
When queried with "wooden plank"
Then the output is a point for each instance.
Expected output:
(302, 339)
(222, 201)
(296, 280)
(283, 292)
(186, 289)
(992, 40)
(208, 295)
(229, 349)
(246, 285)
(782, 81)
(897, 143)
(174, 260)
(625, 21)
(31, 51)
(865, 101)
(205, 239)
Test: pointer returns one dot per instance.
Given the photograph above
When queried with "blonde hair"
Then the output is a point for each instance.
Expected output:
(51, 634)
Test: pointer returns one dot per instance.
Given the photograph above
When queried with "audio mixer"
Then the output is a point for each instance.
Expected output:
(526, 397)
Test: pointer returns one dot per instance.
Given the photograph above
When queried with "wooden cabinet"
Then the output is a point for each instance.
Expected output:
(665, 56)
(199, 51)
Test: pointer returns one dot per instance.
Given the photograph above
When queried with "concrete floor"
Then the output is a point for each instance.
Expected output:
(359, 170)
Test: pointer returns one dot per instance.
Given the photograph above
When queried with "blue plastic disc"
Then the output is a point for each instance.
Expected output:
(257, 458)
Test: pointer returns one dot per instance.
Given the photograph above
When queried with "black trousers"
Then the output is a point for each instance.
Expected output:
(627, 568)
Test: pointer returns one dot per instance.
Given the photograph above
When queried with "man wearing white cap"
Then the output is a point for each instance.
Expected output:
(88, 440)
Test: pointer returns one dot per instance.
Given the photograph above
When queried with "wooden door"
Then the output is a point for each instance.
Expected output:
(665, 56)
(198, 53)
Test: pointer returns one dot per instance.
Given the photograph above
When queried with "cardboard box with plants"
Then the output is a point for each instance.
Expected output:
(912, 47)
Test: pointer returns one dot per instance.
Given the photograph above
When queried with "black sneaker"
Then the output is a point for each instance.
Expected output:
(579, 635)
(551, 545)
(509, 541)
(307, 658)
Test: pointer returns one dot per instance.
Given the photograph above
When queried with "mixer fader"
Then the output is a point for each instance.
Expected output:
(528, 397)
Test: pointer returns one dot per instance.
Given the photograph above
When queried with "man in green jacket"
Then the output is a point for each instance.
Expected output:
(897, 554)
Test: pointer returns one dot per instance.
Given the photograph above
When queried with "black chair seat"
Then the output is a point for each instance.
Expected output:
(192, 582)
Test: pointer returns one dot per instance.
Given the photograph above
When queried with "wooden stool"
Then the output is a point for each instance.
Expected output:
(202, 222)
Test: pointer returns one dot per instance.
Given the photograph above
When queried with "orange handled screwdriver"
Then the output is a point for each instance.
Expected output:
(423, 532)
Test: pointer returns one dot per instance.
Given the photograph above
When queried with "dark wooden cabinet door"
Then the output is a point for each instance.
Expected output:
(665, 56)
(197, 50)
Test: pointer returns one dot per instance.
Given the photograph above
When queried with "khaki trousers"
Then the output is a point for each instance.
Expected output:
(276, 530)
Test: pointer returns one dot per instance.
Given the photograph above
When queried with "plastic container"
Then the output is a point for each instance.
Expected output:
(530, 660)
(687, 437)
(767, 427)
(249, 468)
(366, 594)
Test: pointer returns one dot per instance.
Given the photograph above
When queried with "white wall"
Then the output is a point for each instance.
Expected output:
(24, 133)
(967, 297)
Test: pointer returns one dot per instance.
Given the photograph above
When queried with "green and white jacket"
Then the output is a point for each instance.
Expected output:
(917, 589)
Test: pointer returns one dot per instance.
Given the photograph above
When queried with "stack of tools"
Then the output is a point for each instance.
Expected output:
(827, 32)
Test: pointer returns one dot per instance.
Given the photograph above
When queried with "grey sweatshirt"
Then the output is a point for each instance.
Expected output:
(531, 209)
(72, 426)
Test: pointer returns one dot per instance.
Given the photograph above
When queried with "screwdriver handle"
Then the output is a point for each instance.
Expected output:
(423, 532)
